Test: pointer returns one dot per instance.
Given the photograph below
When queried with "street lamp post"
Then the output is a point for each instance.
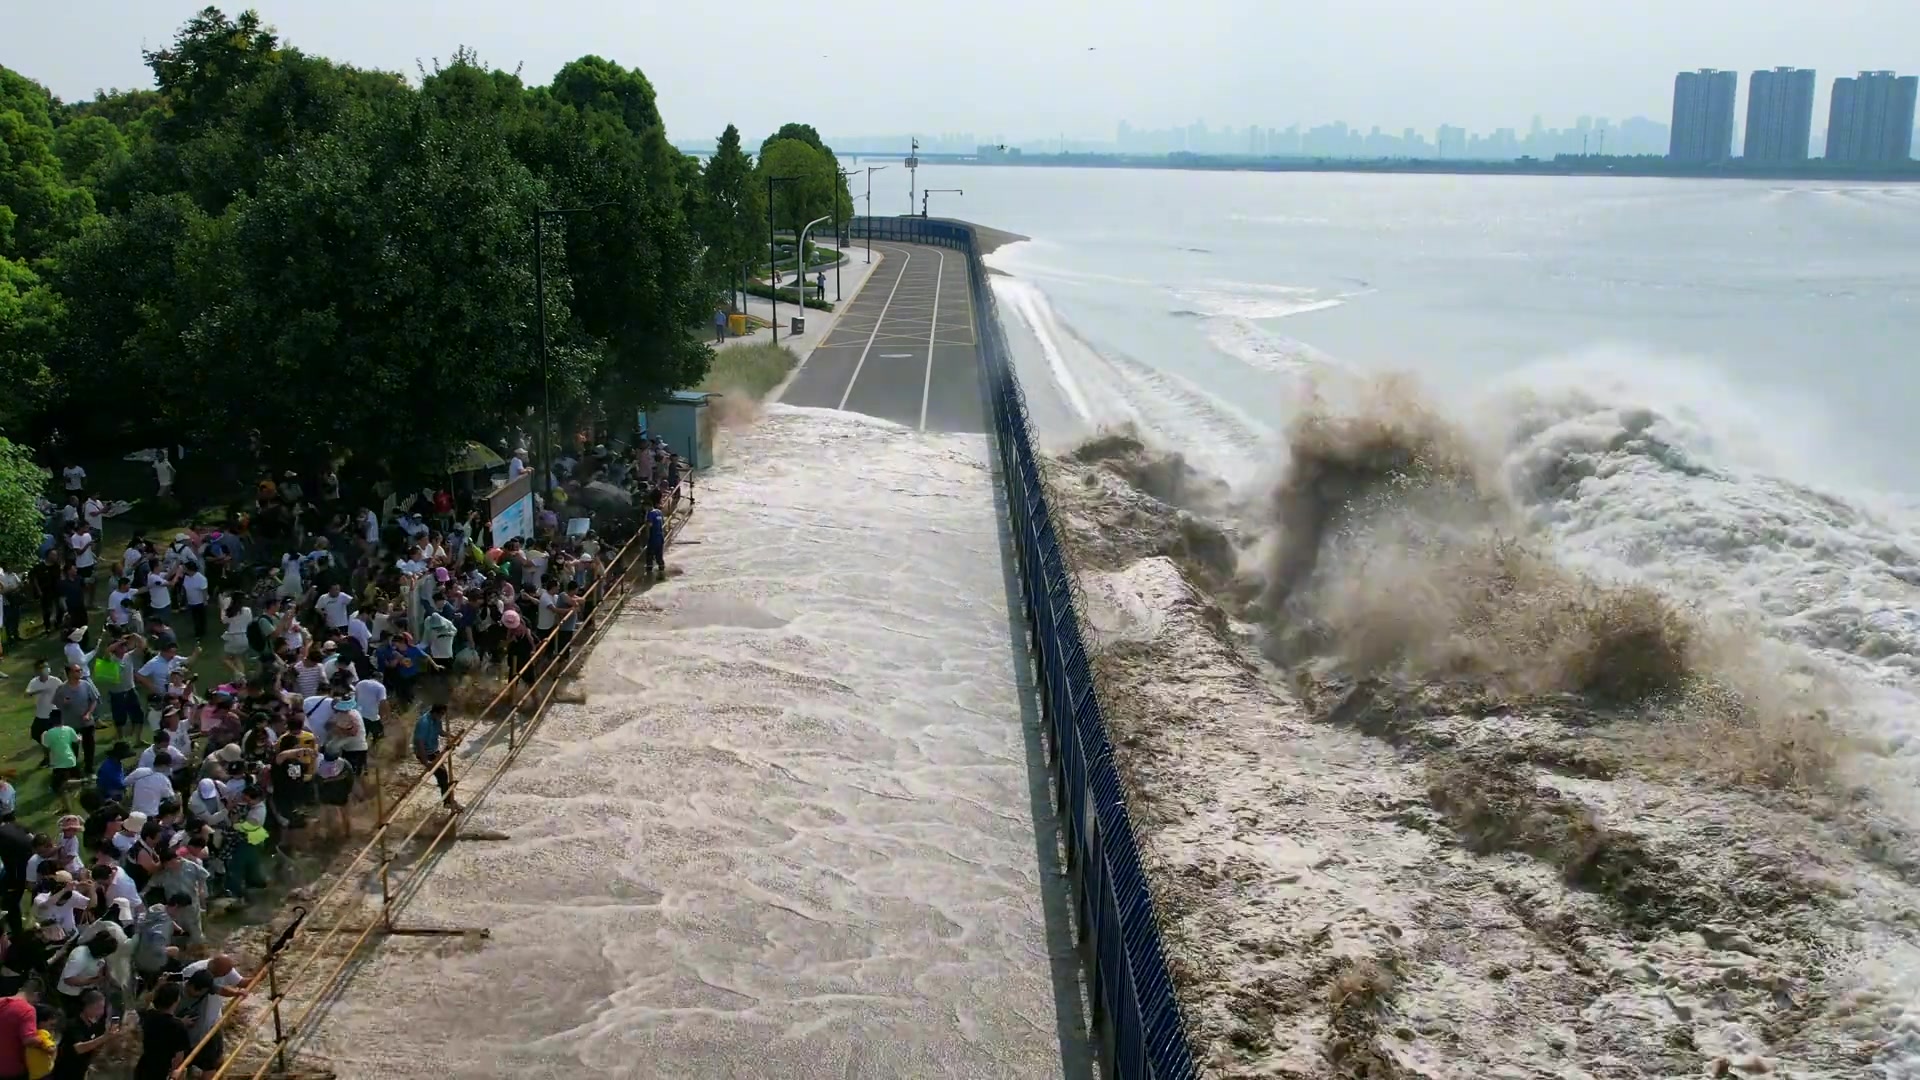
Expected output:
(838, 255)
(801, 280)
(540, 217)
(871, 169)
(773, 255)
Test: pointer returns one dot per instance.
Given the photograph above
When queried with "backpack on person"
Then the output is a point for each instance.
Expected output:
(258, 633)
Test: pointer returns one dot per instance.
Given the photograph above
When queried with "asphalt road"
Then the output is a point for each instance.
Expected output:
(904, 349)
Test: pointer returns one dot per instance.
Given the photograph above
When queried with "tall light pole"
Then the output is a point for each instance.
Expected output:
(773, 255)
(540, 217)
(839, 256)
(871, 169)
(913, 173)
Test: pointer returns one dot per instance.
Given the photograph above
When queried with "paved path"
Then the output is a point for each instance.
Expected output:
(819, 323)
(904, 348)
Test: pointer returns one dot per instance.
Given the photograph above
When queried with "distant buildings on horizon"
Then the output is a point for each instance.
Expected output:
(1870, 120)
(1588, 135)
(1869, 117)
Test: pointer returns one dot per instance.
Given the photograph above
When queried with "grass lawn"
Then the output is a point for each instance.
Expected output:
(19, 757)
(749, 370)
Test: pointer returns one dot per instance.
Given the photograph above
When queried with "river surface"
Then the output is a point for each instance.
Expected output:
(1803, 296)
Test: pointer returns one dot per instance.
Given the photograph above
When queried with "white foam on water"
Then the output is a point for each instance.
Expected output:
(1252, 300)
(1025, 300)
(1107, 388)
(789, 832)
(1249, 343)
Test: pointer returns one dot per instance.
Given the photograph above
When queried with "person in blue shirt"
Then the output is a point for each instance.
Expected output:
(111, 780)
(427, 734)
(656, 556)
(410, 661)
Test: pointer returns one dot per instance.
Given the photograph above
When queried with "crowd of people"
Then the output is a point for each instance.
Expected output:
(320, 622)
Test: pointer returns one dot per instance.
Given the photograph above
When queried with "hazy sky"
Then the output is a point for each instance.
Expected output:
(1021, 68)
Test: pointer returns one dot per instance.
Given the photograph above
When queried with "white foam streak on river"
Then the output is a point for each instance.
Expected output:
(789, 832)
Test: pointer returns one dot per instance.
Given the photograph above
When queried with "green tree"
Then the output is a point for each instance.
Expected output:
(133, 290)
(394, 257)
(39, 208)
(734, 208)
(21, 482)
(211, 59)
(592, 84)
(30, 317)
(817, 183)
(803, 132)
(90, 150)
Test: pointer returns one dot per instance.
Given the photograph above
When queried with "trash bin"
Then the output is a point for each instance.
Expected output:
(798, 325)
(736, 325)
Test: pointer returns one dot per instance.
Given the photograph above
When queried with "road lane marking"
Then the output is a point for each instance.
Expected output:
(862, 362)
(926, 388)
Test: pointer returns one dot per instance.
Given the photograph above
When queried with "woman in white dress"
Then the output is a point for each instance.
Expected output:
(291, 586)
(233, 639)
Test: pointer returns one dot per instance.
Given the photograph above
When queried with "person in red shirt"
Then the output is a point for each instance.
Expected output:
(18, 1024)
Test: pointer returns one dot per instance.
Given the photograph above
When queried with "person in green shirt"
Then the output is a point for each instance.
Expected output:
(62, 743)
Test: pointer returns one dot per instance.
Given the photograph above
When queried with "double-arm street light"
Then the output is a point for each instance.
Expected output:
(773, 256)
(936, 191)
(540, 217)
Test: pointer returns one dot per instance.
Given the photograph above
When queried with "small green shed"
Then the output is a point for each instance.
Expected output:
(685, 423)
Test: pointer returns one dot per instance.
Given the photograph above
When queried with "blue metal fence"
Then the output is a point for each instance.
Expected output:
(1134, 1010)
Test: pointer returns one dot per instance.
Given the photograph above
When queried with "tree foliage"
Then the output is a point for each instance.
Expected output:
(733, 210)
(816, 183)
(268, 242)
(20, 484)
(30, 317)
(39, 207)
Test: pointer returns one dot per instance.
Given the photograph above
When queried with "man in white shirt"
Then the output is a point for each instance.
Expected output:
(86, 969)
(319, 711)
(160, 595)
(371, 696)
(179, 552)
(95, 512)
(334, 606)
(112, 883)
(82, 544)
(358, 630)
(76, 477)
(120, 603)
(226, 977)
(163, 473)
(549, 610)
(148, 788)
(59, 903)
(193, 589)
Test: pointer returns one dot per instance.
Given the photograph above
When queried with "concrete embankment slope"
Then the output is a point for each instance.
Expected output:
(790, 831)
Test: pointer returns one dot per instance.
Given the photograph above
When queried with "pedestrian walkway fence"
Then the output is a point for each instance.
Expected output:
(310, 959)
(1135, 1014)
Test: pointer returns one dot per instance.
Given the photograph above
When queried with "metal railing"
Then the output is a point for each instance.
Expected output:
(540, 676)
(1135, 1014)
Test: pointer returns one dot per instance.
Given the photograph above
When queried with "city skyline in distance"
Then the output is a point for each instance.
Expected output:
(1044, 67)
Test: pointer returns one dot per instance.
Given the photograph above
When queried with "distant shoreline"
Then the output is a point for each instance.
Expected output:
(1656, 168)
